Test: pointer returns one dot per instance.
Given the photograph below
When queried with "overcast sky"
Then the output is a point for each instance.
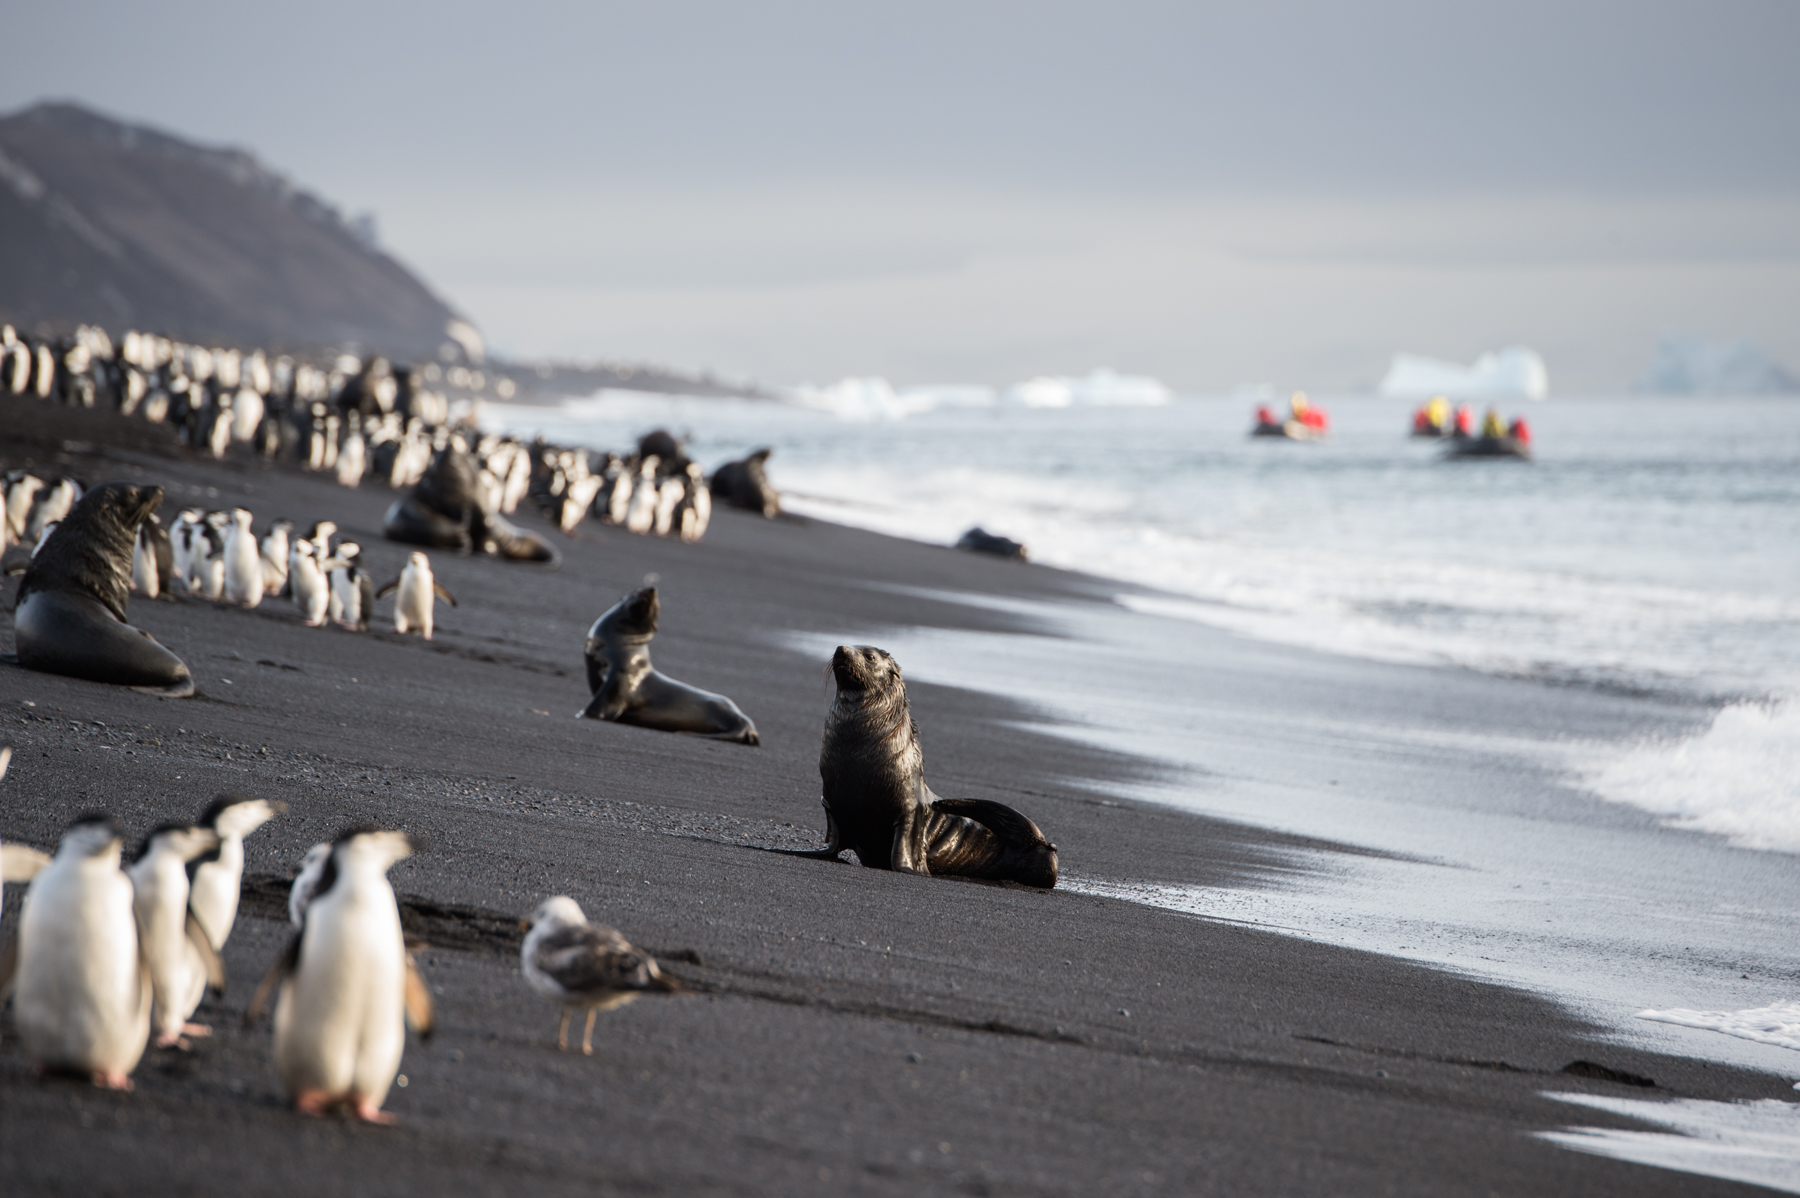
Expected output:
(1214, 194)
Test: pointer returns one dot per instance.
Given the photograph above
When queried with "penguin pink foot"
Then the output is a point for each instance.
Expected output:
(367, 1110)
(313, 1102)
(112, 1079)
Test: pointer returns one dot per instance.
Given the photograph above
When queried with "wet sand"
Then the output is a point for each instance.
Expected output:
(854, 1030)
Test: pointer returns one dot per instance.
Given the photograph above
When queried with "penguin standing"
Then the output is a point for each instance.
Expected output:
(53, 503)
(215, 879)
(181, 546)
(152, 559)
(352, 593)
(81, 1002)
(181, 961)
(206, 563)
(351, 454)
(642, 513)
(21, 492)
(415, 593)
(668, 497)
(242, 565)
(695, 510)
(307, 583)
(618, 497)
(347, 990)
(274, 553)
(320, 535)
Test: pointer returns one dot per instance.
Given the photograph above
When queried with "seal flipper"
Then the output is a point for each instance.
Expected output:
(834, 840)
(609, 701)
(1012, 828)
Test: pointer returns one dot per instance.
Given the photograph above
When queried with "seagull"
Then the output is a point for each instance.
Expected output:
(584, 965)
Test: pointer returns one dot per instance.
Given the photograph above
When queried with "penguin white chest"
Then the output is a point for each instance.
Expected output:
(340, 1024)
(80, 1000)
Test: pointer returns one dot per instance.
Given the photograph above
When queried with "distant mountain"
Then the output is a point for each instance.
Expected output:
(123, 226)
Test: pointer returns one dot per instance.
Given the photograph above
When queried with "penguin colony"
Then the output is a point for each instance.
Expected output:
(112, 957)
(216, 556)
(356, 419)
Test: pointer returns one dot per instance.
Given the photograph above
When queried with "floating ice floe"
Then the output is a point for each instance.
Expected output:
(878, 399)
(1696, 366)
(1514, 373)
(1102, 388)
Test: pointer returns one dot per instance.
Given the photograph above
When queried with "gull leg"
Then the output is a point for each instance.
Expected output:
(587, 1036)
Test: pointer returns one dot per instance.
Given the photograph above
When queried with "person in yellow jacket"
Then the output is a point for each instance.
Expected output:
(1492, 426)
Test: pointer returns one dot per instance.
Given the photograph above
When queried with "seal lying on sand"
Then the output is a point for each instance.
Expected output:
(70, 616)
(876, 800)
(449, 509)
(628, 690)
(745, 484)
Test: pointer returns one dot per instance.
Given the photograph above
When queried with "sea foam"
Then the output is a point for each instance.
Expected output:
(1777, 1024)
(1753, 1142)
(1740, 778)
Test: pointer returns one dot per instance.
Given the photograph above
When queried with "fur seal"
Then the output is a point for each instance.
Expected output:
(876, 800)
(70, 617)
(629, 690)
(980, 540)
(447, 510)
(745, 484)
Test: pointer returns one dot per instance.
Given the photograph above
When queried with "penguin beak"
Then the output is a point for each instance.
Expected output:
(524, 925)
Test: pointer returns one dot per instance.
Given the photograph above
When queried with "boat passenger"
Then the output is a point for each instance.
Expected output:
(1492, 427)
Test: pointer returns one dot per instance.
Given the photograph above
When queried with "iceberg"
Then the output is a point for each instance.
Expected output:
(1696, 366)
(1102, 388)
(1513, 373)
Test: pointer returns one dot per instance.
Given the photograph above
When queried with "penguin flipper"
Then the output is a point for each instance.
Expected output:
(443, 594)
(9, 963)
(278, 973)
(419, 1015)
(388, 588)
(209, 956)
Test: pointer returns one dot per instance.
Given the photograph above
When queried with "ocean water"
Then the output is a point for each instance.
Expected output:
(1654, 543)
(1649, 885)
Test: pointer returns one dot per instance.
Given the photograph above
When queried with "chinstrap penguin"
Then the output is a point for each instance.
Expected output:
(347, 987)
(415, 593)
(81, 1003)
(179, 957)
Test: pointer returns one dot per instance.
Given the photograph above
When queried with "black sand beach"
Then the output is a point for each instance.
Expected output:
(854, 1030)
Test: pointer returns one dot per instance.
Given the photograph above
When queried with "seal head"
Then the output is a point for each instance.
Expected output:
(629, 690)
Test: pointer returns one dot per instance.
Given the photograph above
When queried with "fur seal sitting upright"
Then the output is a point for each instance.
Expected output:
(629, 690)
(447, 510)
(745, 484)
(876, 800)
(70, 617)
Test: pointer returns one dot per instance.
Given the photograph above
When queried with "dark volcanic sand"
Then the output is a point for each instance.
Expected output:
(854, 1030)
